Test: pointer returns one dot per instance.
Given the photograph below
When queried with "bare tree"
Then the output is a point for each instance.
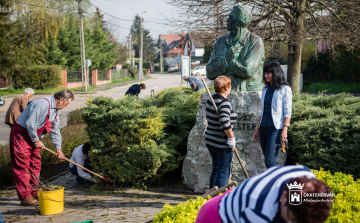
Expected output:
(287, 21)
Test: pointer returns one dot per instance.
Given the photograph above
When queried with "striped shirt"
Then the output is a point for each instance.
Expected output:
(215, 137)
(258, 198)
(33, 118)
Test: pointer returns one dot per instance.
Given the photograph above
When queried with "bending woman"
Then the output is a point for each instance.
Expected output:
(219, 137)
(274, 121)
(265, 198)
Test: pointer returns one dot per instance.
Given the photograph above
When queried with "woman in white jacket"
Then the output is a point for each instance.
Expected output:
(274, 121)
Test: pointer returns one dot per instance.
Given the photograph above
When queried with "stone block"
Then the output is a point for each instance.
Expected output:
(197, 163)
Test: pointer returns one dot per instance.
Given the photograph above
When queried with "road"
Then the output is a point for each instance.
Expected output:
(157, 83)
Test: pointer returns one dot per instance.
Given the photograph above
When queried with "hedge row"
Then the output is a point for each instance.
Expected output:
(140, 139)
(38, 77)
(346, 206)
(325, 132)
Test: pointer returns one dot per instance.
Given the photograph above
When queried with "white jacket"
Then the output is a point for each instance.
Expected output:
(79, 158)
(281, 105)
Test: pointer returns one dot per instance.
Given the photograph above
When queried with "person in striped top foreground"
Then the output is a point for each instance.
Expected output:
(266, 198)
(219, 137)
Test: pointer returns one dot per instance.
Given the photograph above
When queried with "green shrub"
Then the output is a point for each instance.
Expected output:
(145, 72)
(140, 139)
(38, 77)
(72, 137)
(131, 69)
(6, 177)
(325, 132)
(183, 212)
(74, 117)
(346, 206)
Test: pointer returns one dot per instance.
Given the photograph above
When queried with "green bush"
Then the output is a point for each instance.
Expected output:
(72, 137)
(74, 118)
(145, 72)
(183, 212)
(6, 177)
(140, 139)
(325, 132)
(131, 69)
(346, 206)
(38, 77)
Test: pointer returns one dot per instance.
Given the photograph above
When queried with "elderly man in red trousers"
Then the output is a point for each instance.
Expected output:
(25, 144)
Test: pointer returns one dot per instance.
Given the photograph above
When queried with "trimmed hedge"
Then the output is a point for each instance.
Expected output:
(140, 139)
(38, 77)
(74, 118)
(325, 132)
(346, 206)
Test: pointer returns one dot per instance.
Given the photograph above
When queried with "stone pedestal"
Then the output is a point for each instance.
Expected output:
(197, 163)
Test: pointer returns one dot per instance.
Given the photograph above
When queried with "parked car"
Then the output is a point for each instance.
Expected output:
(199, 70)
(172, 68)
(2, 101)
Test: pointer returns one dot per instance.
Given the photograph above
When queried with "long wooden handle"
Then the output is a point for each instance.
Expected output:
(78, 165)
(211, 98)
(221, 190)
(217, 112)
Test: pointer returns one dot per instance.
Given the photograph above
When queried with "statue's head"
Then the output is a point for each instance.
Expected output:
(239, 16)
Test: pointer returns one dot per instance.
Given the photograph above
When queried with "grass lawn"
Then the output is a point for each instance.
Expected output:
(332, 86)
(126, 79)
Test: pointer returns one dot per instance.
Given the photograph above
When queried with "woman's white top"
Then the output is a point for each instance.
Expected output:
(281, 105)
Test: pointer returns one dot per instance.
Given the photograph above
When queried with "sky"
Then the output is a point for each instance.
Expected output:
(127, 9)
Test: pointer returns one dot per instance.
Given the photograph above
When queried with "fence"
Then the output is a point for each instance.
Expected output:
(121, 74)
(102, 75)
(73, 76)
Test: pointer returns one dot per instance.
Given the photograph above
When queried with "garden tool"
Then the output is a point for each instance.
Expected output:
(284, 146)
(217, 112)
(95, 174)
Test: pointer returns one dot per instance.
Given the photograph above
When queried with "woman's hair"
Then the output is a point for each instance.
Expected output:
(310, 212)
(86, 148)
(142, 85)
(221, 83)
(278, 74)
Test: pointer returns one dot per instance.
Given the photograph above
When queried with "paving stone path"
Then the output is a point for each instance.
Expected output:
(85, 203)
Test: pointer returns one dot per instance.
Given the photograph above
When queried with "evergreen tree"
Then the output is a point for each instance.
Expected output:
(69, 44)
(101, 51)
(52, 53)
(149, 45)
(11, 58)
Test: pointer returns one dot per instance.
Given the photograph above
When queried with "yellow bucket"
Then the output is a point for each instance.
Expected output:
(51, 202)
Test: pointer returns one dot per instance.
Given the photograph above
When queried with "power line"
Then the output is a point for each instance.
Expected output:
(108, 13)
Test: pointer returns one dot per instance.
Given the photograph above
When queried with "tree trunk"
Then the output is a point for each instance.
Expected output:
(295, 48)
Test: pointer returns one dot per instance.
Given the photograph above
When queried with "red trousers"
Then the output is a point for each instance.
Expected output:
(25, 162)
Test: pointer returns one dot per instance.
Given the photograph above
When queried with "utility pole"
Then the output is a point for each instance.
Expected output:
(82, 48)
(141, 49)
(161, 56)
(130, 47)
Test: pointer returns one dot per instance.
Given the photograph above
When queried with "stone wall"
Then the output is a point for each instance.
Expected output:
(197, 163)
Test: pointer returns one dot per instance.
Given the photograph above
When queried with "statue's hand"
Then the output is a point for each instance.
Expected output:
(219, 65)
(233, 53)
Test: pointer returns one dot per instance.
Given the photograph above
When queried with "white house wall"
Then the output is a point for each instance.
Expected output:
(199, 52)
